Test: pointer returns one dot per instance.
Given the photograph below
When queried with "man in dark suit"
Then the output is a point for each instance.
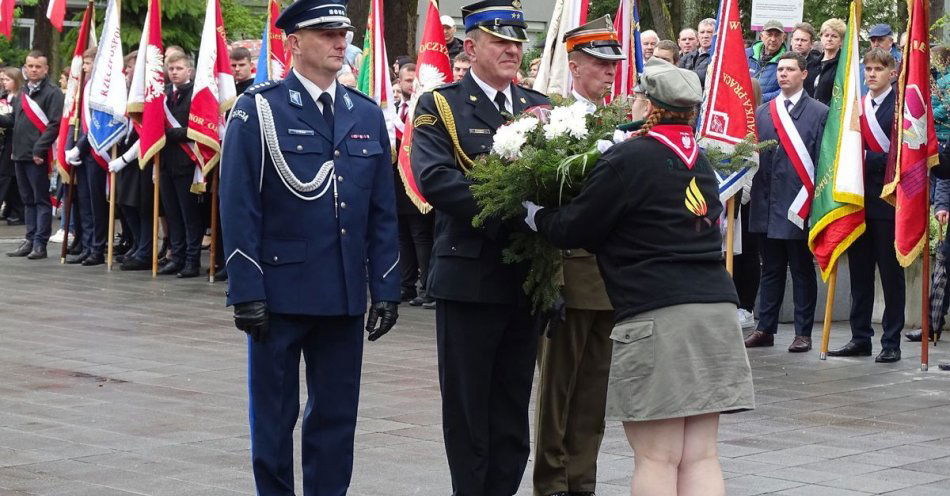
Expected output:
(781, 199)
(876, 246)
(309, 226)
(486, 344)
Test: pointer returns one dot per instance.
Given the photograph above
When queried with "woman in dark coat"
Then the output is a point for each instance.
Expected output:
(832, 36)
(649, 210)
(11, 80)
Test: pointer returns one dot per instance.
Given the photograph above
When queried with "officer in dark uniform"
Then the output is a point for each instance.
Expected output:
(309, 221)
(486, 343)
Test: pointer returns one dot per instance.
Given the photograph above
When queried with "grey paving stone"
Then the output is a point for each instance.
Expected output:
(117, 384)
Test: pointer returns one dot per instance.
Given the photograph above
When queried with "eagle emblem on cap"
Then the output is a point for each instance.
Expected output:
(516, 4)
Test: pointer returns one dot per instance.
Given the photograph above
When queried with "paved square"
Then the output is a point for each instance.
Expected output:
(118, 384)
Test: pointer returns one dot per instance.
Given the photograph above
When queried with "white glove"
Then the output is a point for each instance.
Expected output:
(72, 156)
(533, 210)
(117, 164)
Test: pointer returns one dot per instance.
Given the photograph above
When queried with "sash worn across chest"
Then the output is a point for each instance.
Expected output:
(38, 118)
(876, 139)
(797, 152)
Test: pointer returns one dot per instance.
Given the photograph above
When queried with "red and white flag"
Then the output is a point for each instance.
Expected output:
(56, 11)
(72, 104)
(214, 92)
(6, 17)
(374, 73)
(147, 93)
(553, 75)
(433, 68)
(627, 25)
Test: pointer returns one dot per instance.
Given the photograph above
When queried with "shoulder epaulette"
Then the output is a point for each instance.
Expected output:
(359, 93)
(261, 87)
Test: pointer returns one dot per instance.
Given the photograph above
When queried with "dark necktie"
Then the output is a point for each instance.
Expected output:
(327, 103)
(789, 105)
(873, 103)
(500, 100)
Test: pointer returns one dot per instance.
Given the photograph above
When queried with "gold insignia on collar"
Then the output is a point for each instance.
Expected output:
(424, 120)
(473, 98)
(523, 100)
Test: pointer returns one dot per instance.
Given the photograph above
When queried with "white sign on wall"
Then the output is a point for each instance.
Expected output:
(788, 12)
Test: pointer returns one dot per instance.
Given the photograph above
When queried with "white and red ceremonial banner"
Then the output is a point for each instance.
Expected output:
(274, 62)
(728, 109)
(627, 25)
(6, 17)
(213, 94)
(147, 93)
(72, 102)
(56, 12)
(374, 72)
(433, 68)
(553, 77)
(107, 97)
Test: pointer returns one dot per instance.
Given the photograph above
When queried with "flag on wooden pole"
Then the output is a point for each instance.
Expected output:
(214, 93)
(374, 74)
(147, 93)
(73, 97)
(432, 69)
(627, 25)
(105, 121)
(56, 12)
(553, 75)
(915, 148)
(274, 62)
(837, 213)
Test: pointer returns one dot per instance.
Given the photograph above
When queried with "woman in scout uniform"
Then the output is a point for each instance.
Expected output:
(678, 359)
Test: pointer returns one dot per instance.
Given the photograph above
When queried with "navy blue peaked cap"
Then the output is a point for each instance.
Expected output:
(314, 14)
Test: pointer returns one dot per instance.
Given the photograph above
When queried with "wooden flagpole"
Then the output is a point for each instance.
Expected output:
(111, 238)
(212, 251)
(730, 232)
(925, 285)
(155, 222)
(829, 310)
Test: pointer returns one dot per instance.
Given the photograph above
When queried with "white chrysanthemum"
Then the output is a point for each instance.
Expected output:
(568, 120)
(510, 139)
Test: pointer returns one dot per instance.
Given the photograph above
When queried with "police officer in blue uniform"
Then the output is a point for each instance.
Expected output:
(486, 344)
(309, 220)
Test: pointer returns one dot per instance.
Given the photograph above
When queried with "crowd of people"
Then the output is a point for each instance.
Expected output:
(314, 213)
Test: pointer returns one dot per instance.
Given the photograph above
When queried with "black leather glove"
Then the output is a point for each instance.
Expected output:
(251, 317)
(548, 321)
(383, 312)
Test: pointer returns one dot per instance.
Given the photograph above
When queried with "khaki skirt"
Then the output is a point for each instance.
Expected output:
(679, 361)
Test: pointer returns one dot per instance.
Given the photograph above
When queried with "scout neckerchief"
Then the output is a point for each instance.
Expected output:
(874, 136)
(801, 161)
(678, 138)
(36, 116)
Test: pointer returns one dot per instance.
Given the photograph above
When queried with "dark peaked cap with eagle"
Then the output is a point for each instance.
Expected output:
(314, 14)
(502, 18)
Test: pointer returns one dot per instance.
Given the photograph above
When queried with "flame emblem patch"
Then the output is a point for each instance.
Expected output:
(696, 203)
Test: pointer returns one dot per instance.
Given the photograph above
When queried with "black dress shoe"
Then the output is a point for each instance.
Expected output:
(77, 258)
(136, 264)
(75, 247)
(407, 294)
(914, 336)
(94, 259)
(38, 253)
(23, 250)
(852, 349)
(169, 269)
(582, 493)
(189, 270)
(420, 301)
(889, 355)
(221, 275)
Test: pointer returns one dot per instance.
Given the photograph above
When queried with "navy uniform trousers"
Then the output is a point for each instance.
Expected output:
(183, 215)
(93, 206)
(793, 255)
(33, 181)
(333, 350)
(876, 248)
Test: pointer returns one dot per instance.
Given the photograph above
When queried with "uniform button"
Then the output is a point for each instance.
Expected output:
(275, 258)
(339, 178)
(364, 151)
(483, 147)
(453, 248)
(343, 231)
(336, 153)
(342, 204)
(299, 148)
(567, 253)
